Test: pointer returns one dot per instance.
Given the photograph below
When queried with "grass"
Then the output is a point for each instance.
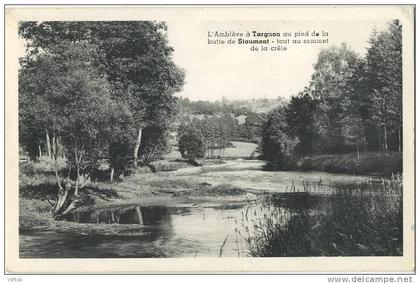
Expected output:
(358, 219)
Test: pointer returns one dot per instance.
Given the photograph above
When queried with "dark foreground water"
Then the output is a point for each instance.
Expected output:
(155, 231)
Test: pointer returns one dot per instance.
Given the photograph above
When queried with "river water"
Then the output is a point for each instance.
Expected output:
(206, 229)
(183, 231)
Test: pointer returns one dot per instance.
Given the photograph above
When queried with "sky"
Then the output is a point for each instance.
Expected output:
(235, 72)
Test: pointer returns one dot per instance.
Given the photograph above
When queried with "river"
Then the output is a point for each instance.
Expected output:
(181, 229)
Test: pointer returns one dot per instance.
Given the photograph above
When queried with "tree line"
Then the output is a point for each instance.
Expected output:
(209, 136)
(353, 103)
(96, 90)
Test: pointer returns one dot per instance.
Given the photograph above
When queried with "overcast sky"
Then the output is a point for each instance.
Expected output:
(234, 72)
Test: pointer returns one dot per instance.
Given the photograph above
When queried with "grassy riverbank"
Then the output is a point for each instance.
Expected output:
(38, 189)
(371, 163)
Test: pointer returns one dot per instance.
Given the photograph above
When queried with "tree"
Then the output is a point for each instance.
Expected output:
(35, 114)
(384, 62)
(353, 132)
(300, 115)
(154, 143)
(191, 144)
(79, 108)
(138, 63)
(121, 137)
(276, 144)
(329, 85)
(252, 128)
(136, 58)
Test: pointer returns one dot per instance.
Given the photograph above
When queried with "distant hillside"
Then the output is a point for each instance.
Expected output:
(258, 105)
(234, 107)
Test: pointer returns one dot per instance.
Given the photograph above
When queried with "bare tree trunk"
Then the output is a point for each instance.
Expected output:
(76, 188)
(112, 174)
(385, 140)
(137, 146)
(380, 141)
(73, 203)
(358, 153)
(47, 136)
(62, 198)
(62, 194)
(54, 147)
(55, 155)
(139, 215)
(40, 151)
(399, 140)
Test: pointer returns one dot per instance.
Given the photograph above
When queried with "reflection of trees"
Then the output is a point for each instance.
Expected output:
(143, 223)
(133, 214)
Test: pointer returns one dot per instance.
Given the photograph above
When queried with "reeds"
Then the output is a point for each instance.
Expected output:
(356, 219)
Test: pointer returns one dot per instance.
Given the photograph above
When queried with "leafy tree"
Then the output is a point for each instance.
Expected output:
(121, 137)
(276, 144)
(329, 86)
(384, 62)
(300, 114)
(252, 128)
(353, 132)
(154, 144)
(191, 144)
(79, 108)
(139, 65)
(136, 58)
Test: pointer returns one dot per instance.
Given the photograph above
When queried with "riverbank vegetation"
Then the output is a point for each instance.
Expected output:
(358, 219)
(366, 163)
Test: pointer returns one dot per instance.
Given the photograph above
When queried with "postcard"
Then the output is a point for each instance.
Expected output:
(209, 139)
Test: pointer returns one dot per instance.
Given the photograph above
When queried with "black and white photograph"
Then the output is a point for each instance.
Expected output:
(186, 137)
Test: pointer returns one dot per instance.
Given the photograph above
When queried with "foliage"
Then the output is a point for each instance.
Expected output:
(135, 58)
(384, 62)
(352, 103)
(252, 128)
(154, 144)
(191, 144)
(216, 131)
(276, 144)
(353, 131)
(300, 114)
(329, 86)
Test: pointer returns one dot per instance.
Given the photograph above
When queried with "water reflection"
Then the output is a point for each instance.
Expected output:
(144, 231)
(132, 214)
(183, 230)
